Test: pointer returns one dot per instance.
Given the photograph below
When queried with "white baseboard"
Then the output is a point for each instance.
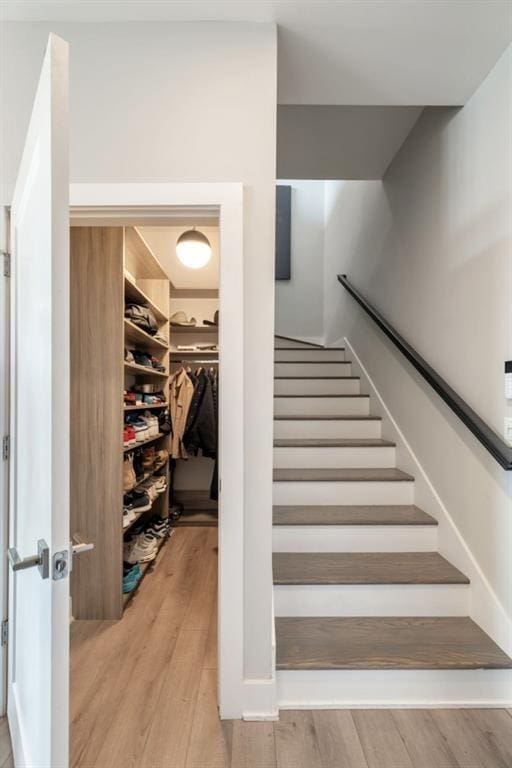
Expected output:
(485, 607)
(260, 699)
(394, 689)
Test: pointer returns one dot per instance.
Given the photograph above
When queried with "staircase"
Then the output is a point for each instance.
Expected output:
(368, 613)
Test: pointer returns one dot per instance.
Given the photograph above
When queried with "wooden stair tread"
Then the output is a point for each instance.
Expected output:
(345, 475)
(324, 417)
(386, 643)
(332, 442)
(364, 568)
(352, 515)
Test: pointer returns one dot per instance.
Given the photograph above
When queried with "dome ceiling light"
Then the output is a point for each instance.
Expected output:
(193, 249)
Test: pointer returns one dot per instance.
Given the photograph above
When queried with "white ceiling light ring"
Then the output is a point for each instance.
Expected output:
(193, 249)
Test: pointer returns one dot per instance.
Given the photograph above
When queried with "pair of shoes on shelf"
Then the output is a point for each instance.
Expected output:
(133, 398)
(134, 504)
(154, 486)
(145, 426)
(142, 547)
(131, 577)
(146, 360)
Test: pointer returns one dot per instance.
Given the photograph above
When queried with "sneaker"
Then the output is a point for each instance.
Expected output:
(138, 501)
(149, 457)
(129, 517)
(158, 528)
(149, 487)
(152, 424)
(143, 549)
(131, 577)
(129, 479)
(161, 458)
(129, 436)
(128, 356)
(141, 428)
(160, 484)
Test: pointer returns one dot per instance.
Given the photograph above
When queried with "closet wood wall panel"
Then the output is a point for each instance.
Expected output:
(97, 380)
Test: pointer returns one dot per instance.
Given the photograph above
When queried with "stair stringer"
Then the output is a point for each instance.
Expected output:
(485, 607)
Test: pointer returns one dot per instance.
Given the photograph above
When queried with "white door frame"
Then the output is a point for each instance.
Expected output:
(227, 199)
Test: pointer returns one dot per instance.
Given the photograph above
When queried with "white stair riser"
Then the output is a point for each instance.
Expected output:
(317, 386)
(322, 406)
(354, 538)
(369, 492)
(315, 355)
(372, 600)
(279, 343)
(327, 428)
(423, 688)
(312, 369)
(322, 458)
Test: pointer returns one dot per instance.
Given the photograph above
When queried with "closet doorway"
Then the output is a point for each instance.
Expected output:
(163, 346)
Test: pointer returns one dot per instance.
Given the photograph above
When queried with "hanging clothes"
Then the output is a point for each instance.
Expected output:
(181, 392)
(201, 428)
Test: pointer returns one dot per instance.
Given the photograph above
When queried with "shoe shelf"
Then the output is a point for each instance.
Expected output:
(141, 339)
(146, 567)
(142, 443)
(110, 265)
(143, 370)
(146, 407)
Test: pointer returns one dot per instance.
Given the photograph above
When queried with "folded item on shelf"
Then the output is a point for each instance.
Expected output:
(186, 348)
(142, 317)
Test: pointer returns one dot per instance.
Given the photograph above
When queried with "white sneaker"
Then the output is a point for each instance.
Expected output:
(160, 484)
(142, 550)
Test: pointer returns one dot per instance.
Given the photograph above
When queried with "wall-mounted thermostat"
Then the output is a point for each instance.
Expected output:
(508, 379)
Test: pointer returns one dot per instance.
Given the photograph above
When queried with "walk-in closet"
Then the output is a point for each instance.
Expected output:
(145, 378)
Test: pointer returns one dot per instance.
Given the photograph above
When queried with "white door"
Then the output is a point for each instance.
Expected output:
(38, 644)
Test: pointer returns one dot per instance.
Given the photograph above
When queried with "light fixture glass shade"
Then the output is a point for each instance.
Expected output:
(193, 249)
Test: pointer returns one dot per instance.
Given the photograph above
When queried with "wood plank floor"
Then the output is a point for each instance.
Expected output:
(144, 695)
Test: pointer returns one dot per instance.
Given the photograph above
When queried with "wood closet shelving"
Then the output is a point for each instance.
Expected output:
(109, 267)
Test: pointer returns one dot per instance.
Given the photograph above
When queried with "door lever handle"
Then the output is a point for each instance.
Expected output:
(41, 560)
(78, 546)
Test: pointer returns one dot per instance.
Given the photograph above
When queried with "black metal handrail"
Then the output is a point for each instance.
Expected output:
(497, 447)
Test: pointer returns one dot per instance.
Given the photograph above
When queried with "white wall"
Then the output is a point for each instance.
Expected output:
(299, 301)
(339, 142)
(430, 246)
(180, 102)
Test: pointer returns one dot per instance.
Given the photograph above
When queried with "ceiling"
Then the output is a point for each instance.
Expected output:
(340, 142)
(374, 52)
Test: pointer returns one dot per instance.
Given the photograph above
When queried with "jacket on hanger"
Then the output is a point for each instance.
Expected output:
(181, 391)
(201, 429)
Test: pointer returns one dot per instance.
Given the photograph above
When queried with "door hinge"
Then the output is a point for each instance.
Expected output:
(7, 263)
(6, 448)
(4, 632)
